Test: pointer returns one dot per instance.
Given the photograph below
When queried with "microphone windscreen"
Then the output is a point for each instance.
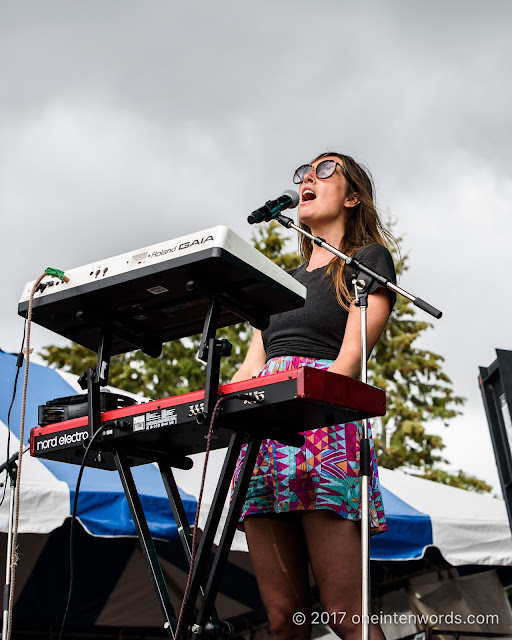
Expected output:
(294, 196)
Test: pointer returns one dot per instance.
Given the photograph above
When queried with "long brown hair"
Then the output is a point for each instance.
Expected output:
(363, 227)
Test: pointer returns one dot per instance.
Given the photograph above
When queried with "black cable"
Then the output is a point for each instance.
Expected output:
(19, 364)
(71, 529)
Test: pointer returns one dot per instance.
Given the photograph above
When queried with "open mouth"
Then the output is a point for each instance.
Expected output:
(308, 195)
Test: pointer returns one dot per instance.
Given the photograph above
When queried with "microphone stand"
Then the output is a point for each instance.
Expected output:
(12, 470)
(362, 284)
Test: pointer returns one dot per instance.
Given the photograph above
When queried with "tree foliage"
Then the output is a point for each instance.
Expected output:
(461, 480)
(418, 391)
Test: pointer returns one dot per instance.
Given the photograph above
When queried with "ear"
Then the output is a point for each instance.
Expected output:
(352, 200)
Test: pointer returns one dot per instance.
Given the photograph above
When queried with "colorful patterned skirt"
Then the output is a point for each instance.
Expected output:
(322, 474)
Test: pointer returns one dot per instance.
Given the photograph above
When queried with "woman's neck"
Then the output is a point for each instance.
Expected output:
(319, 256)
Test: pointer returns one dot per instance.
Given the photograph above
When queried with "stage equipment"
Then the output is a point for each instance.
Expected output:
(362, 284)
(495, 384)
(272, 208)
(70, 407)
(139, 300)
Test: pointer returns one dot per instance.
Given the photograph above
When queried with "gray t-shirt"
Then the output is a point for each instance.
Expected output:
(316, 330)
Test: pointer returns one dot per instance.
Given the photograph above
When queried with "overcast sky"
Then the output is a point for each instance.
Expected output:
(124, 124)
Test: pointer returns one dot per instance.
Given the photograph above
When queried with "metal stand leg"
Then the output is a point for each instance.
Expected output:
(182, 521)
(212, 522)
(365, 468)
(146, 542)
(365, 534)
(178, 511)
(227, 534)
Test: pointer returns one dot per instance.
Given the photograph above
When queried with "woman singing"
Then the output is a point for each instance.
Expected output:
(303, 505)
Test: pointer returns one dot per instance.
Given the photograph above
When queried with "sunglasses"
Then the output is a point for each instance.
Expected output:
(323, 170)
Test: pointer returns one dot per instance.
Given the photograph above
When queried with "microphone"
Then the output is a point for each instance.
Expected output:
(272, 208)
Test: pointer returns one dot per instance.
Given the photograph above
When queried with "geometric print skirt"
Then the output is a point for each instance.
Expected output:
(322, 474)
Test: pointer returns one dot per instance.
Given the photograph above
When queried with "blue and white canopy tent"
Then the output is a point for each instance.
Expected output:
(112, 586)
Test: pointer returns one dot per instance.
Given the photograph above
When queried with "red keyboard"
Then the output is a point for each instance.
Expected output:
(274, 406)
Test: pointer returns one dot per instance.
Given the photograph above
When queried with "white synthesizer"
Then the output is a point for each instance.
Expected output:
(160, 293)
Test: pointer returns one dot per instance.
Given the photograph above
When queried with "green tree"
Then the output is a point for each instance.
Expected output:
(418, 392)
(176, 371)
(417, 389)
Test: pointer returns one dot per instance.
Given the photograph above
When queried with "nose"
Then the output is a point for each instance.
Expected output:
(309, 176)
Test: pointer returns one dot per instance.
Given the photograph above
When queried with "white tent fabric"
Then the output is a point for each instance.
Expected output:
(467, 528)
(44, 499)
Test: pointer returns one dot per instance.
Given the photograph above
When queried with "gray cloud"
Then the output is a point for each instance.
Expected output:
(126, 123)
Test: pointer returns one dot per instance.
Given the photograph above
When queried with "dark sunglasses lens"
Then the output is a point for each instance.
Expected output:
(298, 176)
(326, 168)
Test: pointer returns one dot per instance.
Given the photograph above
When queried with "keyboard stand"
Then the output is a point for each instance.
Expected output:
(206, 622)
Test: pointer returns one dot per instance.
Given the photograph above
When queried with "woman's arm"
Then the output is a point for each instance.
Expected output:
(254, 360)
(348, 361)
